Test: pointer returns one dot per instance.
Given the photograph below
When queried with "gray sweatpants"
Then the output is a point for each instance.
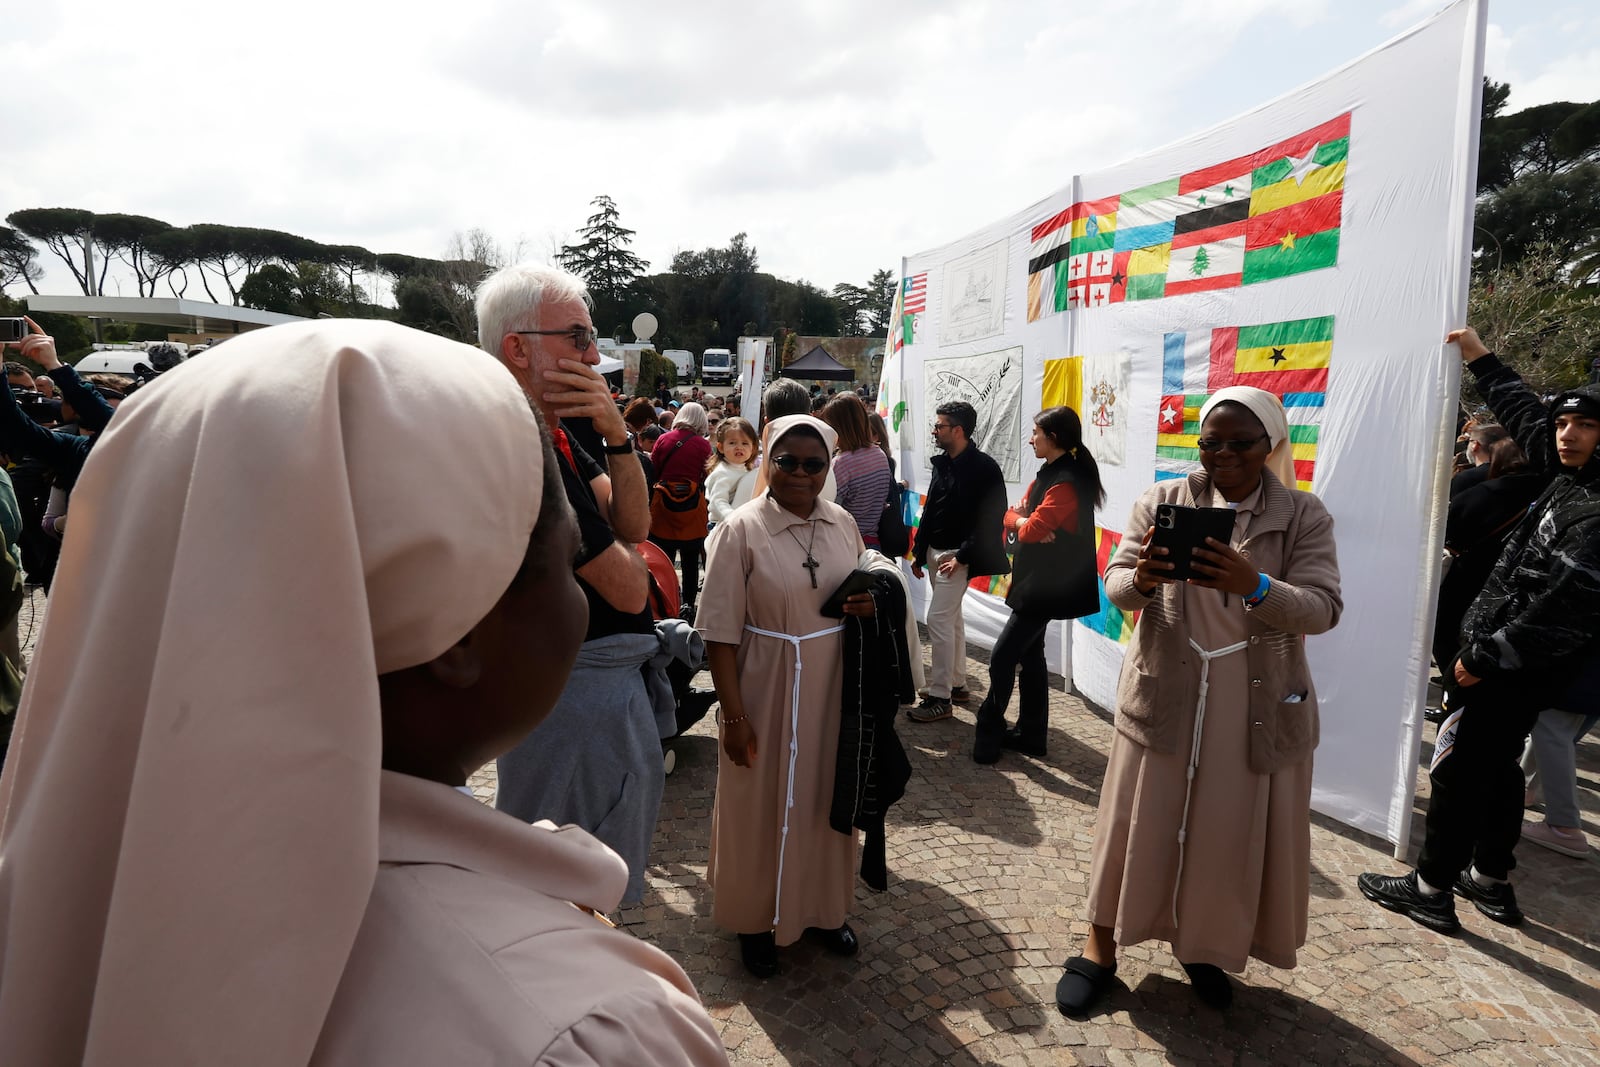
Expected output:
(1550, 763)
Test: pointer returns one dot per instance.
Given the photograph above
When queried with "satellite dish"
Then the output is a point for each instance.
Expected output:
(644, 326)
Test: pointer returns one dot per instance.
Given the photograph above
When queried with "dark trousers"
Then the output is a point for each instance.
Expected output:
(1020, 645)
(690, 551)
(1475, 810)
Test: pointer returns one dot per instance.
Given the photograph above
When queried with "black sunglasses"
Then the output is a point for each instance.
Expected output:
(789, 464)
(1211, 444)
(580, 336)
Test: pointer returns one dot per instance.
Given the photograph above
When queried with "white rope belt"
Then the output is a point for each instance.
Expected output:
(1194, 754)
(794, 744)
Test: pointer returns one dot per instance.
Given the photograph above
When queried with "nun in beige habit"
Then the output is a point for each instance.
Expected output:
(312, 583)
(1204, 833)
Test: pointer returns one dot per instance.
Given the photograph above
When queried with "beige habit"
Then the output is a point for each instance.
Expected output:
(755, 577)
(200, 859)
(1245, 863)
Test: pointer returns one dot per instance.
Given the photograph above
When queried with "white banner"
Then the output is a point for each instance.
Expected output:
(1317, 247)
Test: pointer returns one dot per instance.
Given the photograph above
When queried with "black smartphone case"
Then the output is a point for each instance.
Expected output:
(854, 582)
(1180, 530)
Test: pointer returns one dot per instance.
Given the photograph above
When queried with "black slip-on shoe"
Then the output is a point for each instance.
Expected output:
(960, 695)
(1400, 894)
(1210, 983)
(1083, 984)
(1014, 740)
(760, 954)
(840, 942)
(1498, 902)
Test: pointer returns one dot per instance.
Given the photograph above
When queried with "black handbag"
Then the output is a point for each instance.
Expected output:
(894, 540)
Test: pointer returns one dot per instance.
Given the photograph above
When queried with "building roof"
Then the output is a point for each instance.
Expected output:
(191, 316)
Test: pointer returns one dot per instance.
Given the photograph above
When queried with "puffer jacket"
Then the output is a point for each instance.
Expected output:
(1538, 616)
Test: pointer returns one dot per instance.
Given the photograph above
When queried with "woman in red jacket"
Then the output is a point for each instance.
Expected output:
(1052, 577)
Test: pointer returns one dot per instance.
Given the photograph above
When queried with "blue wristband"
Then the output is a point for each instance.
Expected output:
(1261, 591)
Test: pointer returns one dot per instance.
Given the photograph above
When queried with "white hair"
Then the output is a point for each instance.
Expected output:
(509, 299)
(693, 416)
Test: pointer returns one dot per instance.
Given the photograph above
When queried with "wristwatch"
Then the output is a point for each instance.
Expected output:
(618, 450)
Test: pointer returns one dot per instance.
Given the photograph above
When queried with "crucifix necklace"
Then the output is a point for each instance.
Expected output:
(810, 564)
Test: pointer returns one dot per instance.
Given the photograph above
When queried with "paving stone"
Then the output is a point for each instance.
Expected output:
(988, 868)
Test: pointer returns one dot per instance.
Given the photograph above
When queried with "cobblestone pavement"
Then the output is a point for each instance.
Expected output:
(988, 867)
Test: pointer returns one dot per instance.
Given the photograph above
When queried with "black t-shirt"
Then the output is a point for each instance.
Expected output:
(596, 536)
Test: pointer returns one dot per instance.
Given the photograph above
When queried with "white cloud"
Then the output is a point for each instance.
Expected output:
(838, 134)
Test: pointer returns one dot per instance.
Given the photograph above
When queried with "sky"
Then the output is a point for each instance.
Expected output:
(839, 134)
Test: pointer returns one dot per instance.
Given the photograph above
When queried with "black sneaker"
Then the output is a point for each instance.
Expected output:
(1436, 912)
(932, 709)
(1498, 902)
(960, 695)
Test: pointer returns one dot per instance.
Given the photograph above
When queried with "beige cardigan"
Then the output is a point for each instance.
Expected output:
(1292, 542)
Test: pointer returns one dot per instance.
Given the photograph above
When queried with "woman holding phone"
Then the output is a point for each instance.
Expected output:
(1213, 854)
(1052, 577)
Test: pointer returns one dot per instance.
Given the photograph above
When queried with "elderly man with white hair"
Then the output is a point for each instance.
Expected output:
(596, 760)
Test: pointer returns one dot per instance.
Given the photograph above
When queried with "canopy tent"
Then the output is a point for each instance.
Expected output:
(817, 364)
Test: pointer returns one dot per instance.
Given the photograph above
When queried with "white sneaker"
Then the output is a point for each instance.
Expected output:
(1567, 842)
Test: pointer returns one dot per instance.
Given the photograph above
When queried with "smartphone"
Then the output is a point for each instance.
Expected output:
(13, 329)
(854, 582)
(1181, 530)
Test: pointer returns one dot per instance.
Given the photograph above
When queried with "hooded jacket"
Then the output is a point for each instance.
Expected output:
(1539, 613)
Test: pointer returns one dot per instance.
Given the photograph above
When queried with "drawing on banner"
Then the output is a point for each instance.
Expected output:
(1287, 358)
(1105, 406)
(913, 305)
(1268, 215)
(992, 384)
(974, 296)
(891, 384)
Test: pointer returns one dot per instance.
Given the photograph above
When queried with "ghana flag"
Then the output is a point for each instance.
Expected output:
(1267, 215)
(1287, 358)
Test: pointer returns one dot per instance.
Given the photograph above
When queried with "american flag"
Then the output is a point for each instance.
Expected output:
(915, 290)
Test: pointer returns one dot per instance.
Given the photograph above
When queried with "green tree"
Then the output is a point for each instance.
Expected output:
(1202, 262)
(129, 238)
(880, 302)
(602, 257)
(19, 260)
(1538, 322)
(852, 301)
(1537, 171)
(69, 234)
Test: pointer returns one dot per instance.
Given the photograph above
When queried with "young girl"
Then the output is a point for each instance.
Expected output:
(732, 463)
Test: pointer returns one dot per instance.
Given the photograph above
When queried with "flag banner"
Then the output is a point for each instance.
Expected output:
(1315, 246)
(1266, 215)
(1105, 414)
(1287, 358)
(1063, 384)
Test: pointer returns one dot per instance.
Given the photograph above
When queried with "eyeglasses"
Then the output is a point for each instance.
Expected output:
(789, 464)
(1211, 444)
(943, 426)
(580, 336)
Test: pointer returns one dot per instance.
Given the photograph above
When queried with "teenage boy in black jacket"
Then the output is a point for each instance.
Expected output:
(961, 536)
(1532, 628)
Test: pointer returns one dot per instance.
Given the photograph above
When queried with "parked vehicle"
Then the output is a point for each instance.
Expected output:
(683, 360)
(716, 366)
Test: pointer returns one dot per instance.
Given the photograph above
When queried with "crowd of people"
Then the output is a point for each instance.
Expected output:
(504, 607)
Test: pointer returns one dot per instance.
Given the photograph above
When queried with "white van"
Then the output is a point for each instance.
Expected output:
(683, 360)
(716, 366)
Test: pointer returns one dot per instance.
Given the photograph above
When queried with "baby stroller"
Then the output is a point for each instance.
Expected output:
(691, 703)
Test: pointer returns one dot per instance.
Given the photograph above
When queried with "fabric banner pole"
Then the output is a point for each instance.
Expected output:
(752, 368)
(1463, 181)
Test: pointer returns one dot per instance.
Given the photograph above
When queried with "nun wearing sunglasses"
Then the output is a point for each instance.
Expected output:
(778, 871)
(1204, 834)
